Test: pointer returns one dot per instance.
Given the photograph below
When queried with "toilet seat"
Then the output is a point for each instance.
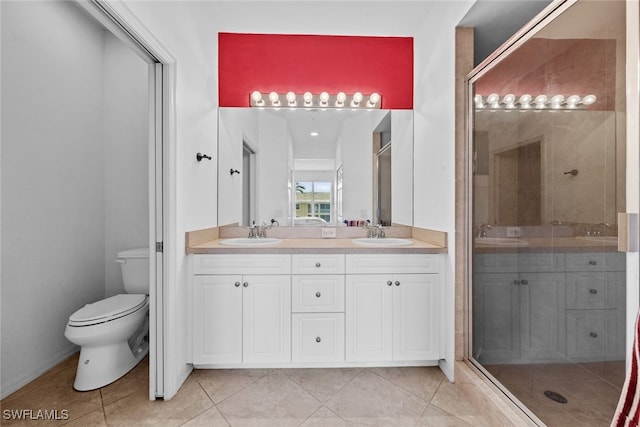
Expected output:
(107, 309)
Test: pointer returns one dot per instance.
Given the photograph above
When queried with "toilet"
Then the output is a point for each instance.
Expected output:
(113, 333)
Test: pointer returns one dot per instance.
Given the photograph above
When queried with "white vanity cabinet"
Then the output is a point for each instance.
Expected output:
(245, 317)
(393, 307)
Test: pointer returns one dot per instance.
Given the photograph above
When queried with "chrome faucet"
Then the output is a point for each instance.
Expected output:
(482, 230)
(380, 232)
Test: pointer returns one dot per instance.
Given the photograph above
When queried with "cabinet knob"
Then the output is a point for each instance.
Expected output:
(318, 294)
(389, 283)
(516, 282)
(524, 282)
(397, 283)
(318, 339)
(593, 334)
(245, 284)
(318, 264)
(593, 291)
(592, 262)
(237, 284)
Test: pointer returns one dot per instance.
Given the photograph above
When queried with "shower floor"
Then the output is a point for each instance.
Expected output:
(591, 389)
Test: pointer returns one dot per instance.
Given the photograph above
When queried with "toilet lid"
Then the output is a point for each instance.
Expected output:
(107, 309)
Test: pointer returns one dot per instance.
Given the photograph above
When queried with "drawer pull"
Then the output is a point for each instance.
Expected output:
(397, 283)
(593, 335)
(245, 284)
(237, 284)
(389, 283)
(593, 291)
(318, 264)
(318, 339)
(318, 294)
(525, 282)
(592, 262)
(516, 282)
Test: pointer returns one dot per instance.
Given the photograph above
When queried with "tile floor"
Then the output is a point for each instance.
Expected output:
(272, 397)
(592, 390)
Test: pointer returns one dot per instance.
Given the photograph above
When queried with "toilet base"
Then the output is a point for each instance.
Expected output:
(102, 365)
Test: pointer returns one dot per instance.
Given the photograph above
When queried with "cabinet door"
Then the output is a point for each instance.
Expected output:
(266, 319)
(217, 319)
(416, 328)
(496, 319)
(542, 297)
(368, 318)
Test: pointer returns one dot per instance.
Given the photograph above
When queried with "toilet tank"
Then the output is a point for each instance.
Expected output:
(134, 265)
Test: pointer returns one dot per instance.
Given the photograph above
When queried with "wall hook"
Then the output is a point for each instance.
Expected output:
(201, 156)
(572, 172)
(232, 171)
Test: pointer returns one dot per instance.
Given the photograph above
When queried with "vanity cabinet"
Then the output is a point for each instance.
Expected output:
(394, 313)
(241, 318)
(547, 307)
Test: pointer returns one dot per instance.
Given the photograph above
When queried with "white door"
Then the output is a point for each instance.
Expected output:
(416, 311)
(368, 317)
(217, 319)
(266, 318)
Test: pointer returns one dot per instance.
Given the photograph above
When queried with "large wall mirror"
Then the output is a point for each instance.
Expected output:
(315, 167)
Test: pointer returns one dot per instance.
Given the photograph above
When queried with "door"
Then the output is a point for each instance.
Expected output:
(368, 318)
(266, 307)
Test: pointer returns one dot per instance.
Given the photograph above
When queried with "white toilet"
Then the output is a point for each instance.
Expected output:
(113, 333)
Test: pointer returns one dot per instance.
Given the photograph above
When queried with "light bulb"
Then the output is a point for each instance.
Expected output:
(274, 98)
(541, 101)
(525, 101)
(291, 98)
(324, 99)
(356, 100)
(509, 100)
(256, 97)
(340, 98)
(493, 100)
(556, 101)
(477, 99)
(374, 98)
(589, 99)
(573, 101)
(308, 99)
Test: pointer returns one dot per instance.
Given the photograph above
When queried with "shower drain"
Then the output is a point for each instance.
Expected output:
(556, 397)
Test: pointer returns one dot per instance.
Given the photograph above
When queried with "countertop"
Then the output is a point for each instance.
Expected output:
(549, 244)
(305, 245)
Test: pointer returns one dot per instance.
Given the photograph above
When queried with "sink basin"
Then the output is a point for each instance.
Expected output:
(611, 240)
(501, 241)
(245, 241)
(386, 241)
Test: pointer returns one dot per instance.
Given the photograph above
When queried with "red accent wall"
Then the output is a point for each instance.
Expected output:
(300, 63)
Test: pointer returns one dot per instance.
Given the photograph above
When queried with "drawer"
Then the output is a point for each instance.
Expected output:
(318, 264)
(597, 290)
(317, 337)
(242, 264)
(392, 263)
(595, 261)
(321, 293)
(514, 263)
(587, 333)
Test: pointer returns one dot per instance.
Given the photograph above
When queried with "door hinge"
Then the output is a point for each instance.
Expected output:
(159, 246)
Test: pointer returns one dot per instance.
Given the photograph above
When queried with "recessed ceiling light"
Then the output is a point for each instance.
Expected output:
(314, 134)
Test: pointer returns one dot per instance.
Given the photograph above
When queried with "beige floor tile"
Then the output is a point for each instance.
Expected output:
(136, 380)
(322, 383)
(421, 381)
(274, 400)
(369, 399)
(436, 417)
(222, 383)
(137, 409)
(324, 417)
(209, 418)
(94, 419)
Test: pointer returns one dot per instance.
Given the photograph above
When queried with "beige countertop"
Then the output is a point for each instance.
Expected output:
(305, 245)
(549, 244)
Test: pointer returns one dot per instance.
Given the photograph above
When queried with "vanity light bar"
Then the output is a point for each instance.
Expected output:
(322, 100)
(527, 102)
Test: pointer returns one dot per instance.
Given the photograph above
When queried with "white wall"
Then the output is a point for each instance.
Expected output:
(52, 181)
(126, 156)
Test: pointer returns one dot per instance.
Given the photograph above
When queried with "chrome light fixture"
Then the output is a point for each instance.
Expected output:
(494, 101)
(322, 100)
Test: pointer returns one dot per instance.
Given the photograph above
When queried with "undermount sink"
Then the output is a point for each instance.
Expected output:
(613, 240)
(246, 241)
(384, 241)
(501, 241)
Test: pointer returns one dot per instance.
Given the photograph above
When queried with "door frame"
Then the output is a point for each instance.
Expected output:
(118, 19)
